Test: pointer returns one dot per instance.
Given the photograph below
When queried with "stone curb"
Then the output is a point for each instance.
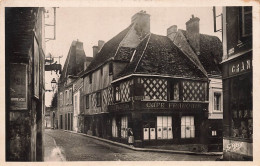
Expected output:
(147, 149)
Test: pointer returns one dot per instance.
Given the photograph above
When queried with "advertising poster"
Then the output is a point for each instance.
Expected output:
(18, 86)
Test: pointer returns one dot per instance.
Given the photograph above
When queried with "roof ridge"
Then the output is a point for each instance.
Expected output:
(198, 63)
(143, 51)
(119, 45)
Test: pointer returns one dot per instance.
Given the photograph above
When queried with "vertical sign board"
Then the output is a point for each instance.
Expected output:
(36, 67)
(18, 86)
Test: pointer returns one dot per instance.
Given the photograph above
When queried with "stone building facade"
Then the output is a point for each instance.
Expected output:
(25, 83)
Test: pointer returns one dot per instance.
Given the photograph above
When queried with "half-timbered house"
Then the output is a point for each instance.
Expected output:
(73, 66)
(142, 84)
(206, 52)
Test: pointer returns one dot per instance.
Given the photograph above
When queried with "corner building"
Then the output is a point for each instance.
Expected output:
(142, 82)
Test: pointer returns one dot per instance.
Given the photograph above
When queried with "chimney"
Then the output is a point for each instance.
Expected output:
(100, 44)
(171, 32)
(193, 33)
(95, 51)
(142, 21)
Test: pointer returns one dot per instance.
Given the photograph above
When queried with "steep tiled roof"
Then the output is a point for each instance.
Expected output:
(74, 63)
(109, 50)
(158, 55)
(210, 53)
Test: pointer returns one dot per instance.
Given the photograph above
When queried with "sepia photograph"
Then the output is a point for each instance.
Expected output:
(130, 83)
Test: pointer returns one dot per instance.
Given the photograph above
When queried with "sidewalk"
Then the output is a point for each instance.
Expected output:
(149, 149)
(51, 151)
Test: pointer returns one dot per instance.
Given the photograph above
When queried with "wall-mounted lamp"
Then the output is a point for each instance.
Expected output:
(53, 84)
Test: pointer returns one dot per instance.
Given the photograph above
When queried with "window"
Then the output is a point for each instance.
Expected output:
(114, 128)
(98, 99)
(110, 68)
(117, 94)
(187, 127)
(246, 21)
(70, 96)
(241, 120)
(90, 78)
(124, 127)
(61, 99)
(164, 127)
(217, 101)
(66, 97)
(87, 101)
(213, 133)
(174, 90)
(75, 103)
(101, 71)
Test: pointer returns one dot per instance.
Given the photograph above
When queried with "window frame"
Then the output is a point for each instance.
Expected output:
(243, 13)
(98, 99)
(90, 78)
(87, 102)
(217, 93)
(194, 126)
(171, 90)
(110, 66)
(117, 93)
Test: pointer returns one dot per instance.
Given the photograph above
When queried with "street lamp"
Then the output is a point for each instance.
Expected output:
(53, 84)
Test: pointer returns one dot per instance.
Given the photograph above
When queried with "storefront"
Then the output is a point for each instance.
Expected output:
(156, 123)
(238, 115)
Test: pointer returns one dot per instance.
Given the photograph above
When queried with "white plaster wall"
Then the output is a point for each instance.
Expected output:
(215, 85)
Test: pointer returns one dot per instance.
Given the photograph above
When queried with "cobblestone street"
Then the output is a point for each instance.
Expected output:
(73, 147)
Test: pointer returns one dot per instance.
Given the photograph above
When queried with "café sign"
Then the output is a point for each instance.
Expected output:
(170, 105)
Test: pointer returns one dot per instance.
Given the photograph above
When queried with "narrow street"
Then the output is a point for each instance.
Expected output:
(73, 147)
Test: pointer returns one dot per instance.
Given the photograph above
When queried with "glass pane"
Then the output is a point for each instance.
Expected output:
(183, 131)
(159, 120)
(192, 131)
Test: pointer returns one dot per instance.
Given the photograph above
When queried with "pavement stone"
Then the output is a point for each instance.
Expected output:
(51, 151)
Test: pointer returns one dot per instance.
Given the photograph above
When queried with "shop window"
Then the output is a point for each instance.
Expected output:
(241, 107)
(124, 127)
(87, 101)
(174, 90)
(90, 78)
(164, 127)
(110, 68)
(217, 101)
(187, 127)
(117, 93)
(213, 133)
(114, 128)
(98, 99)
